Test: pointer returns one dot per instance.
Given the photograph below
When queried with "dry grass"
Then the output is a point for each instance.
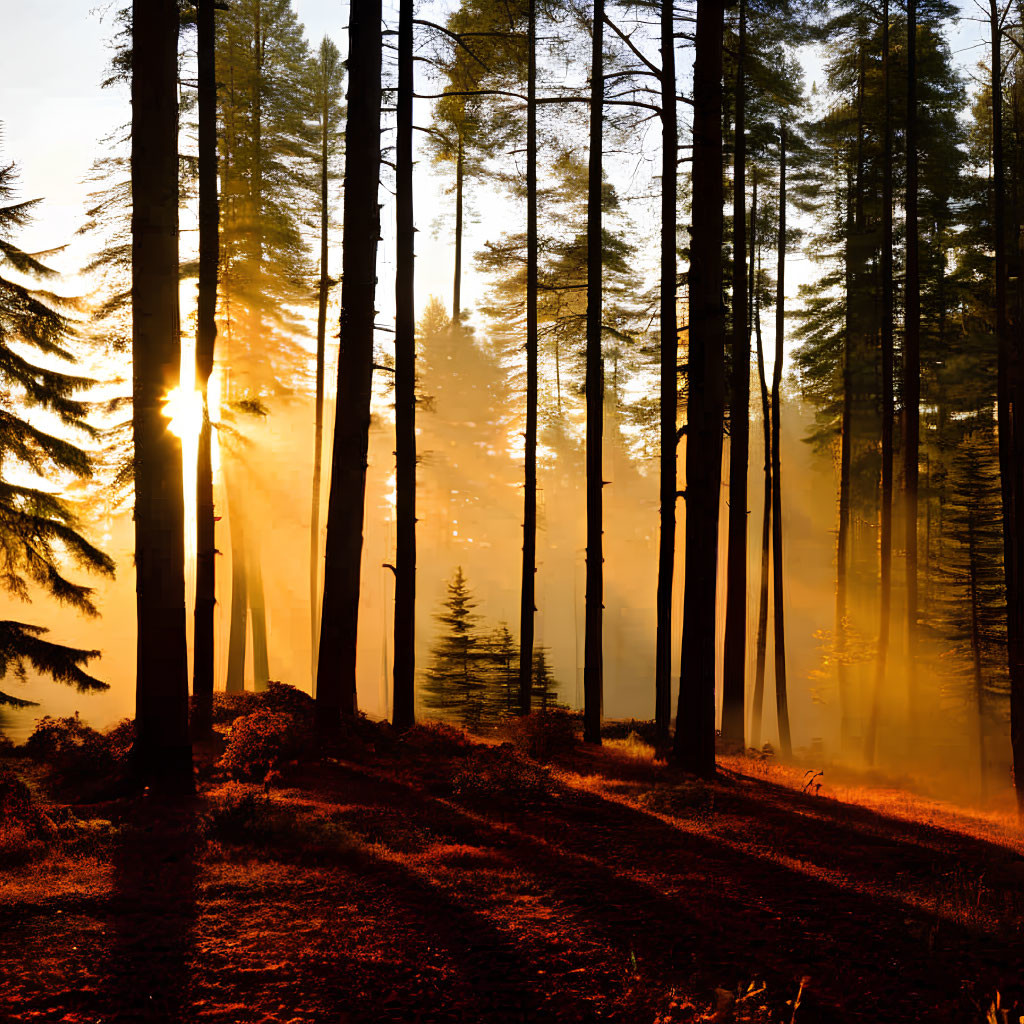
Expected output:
(623, 891)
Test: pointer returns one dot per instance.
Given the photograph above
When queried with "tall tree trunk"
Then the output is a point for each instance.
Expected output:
(258, 610)
(527, 608)
(912, 366)
(734, 662)
(336, 670)
(403, 708)
(695, 719)
(460, 177)
(885, 546)
(239, 619)
(318, 412)
(778, 604)
(1008, 397)
(162, 754)
(845, 459)
(766, 508)
(669, 396)
(979, 681)
(593, 656)
(206, 335)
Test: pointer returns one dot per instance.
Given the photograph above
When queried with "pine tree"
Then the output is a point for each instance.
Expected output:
(336, 671)
(593, 645)
(206, 336)
(405, 385)
(695, 720)
(262, 66)
(326, 72)
(38, 529)
(162, 752)
(455, 683)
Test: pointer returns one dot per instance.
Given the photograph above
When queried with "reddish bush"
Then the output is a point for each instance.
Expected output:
(501, 777)
(71, 748)
(262, 742)
(229, 706)
(437, 739)
(287, 700)
(545, 734)
(25, 831)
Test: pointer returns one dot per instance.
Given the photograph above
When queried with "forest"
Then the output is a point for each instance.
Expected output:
(513, 510)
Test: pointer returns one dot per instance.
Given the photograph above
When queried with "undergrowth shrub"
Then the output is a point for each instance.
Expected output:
(77, 753)
(501, 776)
(287, 700)
(543, 735)
(229, 706)
(244, 815)
(25, 830)
(690, 798)
(437, 739)
(621, 730)
(262, 742)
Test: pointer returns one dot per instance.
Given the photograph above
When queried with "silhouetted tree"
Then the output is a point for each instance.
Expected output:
(336, 672)
(593, 657)
(695, 719)
(327, 73)
(206, 336)
(162, 751)
(405, 387)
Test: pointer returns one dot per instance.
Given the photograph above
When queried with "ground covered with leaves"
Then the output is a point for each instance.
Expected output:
(520, 877)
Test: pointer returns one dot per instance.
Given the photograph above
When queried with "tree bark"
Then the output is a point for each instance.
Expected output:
(403, 707)
(460, 177)
(336, 669)
(162, 753)
(912, 365)
(778, 604)
(206, 336)
(669, 380)
(318, 412)
(979, 681)
(695, 719)
(527, 608)
(885, 546)
(239, 619)
(735, 654)
(1008, 397)
(258, 611)
(766, 509)
(593, 659)
(845, 459)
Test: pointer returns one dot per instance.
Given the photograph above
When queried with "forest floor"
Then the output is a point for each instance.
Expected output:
(472, 885)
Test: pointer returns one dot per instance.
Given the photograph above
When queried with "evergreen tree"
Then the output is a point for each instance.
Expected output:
(456, 680)
(206, 336)
(545, 686)
(162, 751)
(336, 668)
(265, 143)
(405, 385)
(39, 529)
(326, 73)
(695, 720)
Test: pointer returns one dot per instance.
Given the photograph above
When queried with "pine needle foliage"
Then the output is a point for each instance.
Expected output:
(39, 532)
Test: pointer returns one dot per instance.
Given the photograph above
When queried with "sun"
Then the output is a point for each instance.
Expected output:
(184, 409)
